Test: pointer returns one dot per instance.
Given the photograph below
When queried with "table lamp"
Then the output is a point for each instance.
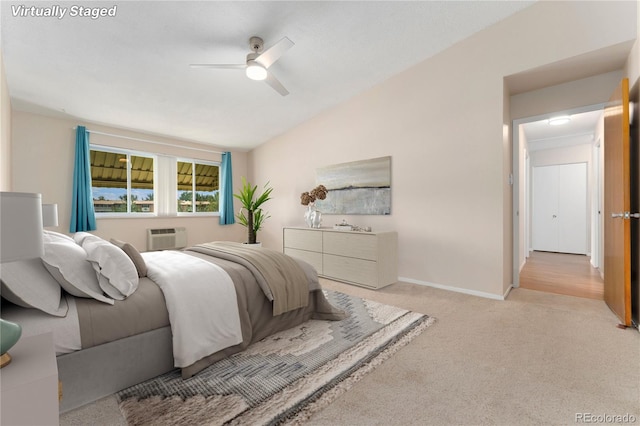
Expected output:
(20, 238)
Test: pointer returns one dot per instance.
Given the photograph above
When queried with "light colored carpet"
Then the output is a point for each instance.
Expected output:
(536, 358)
(283, 376)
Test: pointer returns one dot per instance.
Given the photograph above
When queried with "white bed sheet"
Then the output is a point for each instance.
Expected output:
(65, 330)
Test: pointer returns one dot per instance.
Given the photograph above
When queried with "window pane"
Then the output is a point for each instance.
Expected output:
(206, 188)
(185, 187)
(141, 184)
(108, 181)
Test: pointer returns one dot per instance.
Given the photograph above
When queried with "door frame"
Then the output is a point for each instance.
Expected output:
(597, 207)
(515, 213)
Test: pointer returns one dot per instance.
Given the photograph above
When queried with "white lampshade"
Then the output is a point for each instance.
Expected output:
(20, 226)
(49, 215)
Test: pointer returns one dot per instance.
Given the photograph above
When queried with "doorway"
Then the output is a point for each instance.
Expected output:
(552, 146)
(561, 273)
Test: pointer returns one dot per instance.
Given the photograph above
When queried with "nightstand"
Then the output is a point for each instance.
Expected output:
(29, 385)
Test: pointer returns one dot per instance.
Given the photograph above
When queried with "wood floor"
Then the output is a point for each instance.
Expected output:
(560, 273)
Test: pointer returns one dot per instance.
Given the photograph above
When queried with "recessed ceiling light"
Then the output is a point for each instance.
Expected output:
(561, 119)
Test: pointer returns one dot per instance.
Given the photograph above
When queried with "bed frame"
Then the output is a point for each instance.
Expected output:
(91, 374)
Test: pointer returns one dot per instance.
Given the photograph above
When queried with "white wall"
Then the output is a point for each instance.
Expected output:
(5, 131)
(43, 150)
(565, 155)
(523, 205)
(442, 122)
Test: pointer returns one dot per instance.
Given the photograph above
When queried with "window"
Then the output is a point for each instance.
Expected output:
(122, 181)
(139, 184)
(198, 186)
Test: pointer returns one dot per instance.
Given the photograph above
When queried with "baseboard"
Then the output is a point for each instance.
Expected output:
(456, 289)
(506, 293)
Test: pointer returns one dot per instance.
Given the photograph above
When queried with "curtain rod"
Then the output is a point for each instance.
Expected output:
(153, 142)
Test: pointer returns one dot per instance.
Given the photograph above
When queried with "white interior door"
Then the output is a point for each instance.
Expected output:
(545, 209)
(572, 208)
(559, 219)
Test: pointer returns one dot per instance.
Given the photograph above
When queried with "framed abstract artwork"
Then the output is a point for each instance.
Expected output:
(358, 187)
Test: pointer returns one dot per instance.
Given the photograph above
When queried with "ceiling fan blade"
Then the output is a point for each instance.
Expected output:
(275, 84)
(220, 66)
(269, 56)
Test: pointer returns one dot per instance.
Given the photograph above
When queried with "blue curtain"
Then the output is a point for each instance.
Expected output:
(83, 216)
(227, 216)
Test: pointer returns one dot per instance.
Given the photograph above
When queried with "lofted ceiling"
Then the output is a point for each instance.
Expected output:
(132, 70)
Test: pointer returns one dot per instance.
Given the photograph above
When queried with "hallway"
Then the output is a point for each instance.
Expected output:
(561, 273)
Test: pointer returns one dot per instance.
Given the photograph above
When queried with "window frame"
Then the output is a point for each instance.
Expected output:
(193, 162)
(129, 152)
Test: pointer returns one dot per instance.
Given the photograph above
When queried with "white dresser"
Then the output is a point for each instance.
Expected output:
(368, 259)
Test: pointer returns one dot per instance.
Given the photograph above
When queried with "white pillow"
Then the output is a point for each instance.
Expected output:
(79, 237)
(67, 263)
(117, 274)
(52, 237)
(28, 284)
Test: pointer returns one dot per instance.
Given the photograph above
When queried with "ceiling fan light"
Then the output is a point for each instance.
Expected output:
(557, 121)
(256, 72)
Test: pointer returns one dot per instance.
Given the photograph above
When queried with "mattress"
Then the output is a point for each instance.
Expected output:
(91, 323)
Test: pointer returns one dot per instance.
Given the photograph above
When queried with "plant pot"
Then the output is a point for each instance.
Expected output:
(254, 245)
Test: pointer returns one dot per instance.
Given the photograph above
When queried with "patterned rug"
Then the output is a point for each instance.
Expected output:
(282, 379)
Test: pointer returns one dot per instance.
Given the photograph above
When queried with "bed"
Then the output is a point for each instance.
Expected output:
(125, 326)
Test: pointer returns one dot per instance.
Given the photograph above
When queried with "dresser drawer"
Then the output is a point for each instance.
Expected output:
(359, 271)
(303, 240)
(367, 259)
(311, 257)
(361, 246)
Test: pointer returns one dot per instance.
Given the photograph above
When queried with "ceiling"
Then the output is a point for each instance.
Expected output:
(132, 70)
(580, 130)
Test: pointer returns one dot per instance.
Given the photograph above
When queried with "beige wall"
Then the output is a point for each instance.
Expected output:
(43, 157)
(5, 131)
(563, 97)
(442, 123)
(507, 192)
(632, 67)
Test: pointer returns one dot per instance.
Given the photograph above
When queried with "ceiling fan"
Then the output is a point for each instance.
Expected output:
(258, 62)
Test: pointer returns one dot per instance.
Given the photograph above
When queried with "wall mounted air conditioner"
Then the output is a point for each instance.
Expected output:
(166, 238)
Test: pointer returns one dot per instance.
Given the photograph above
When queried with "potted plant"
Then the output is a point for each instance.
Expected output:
(251, 203)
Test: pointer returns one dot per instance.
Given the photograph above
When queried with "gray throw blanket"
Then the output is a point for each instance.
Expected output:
(280, 277)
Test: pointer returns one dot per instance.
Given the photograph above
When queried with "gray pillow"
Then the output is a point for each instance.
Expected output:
(134, 255)
(27, 283)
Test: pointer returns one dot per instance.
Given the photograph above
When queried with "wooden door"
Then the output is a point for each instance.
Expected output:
(617, 201)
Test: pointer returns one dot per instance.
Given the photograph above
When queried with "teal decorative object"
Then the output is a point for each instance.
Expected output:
(10, 333)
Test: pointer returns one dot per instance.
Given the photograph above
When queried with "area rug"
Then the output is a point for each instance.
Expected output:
(282, 379)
